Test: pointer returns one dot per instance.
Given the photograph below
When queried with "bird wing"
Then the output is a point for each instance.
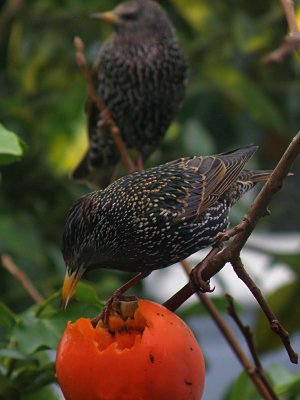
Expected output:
(211, 177)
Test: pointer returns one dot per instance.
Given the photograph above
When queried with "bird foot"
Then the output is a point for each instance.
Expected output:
(114, 306)
(197, 281)
(224, 236)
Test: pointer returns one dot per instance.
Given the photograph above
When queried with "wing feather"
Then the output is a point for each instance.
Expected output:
(212, 177)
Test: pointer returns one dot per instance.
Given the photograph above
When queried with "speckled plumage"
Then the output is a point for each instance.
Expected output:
(152, 219)
(140, 75)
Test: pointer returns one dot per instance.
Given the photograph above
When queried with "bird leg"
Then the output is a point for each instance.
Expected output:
(116, 297)
(224, 236)
(196, 274)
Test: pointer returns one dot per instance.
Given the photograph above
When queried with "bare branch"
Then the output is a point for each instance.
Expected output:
(105, 113)
(290, 42)
(20, 276)
(273, 320)
(246, 331)
(263, 387)
(289, 11)
(213, 263)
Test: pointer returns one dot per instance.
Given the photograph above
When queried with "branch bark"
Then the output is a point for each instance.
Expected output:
(258, 378)
(105, 114)
(246, 331)
(290, 42)
(20, 276)
(213, 263)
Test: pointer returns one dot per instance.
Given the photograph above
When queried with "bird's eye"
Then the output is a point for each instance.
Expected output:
(129, 16)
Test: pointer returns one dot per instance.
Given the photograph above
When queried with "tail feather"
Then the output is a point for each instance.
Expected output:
(255, 176)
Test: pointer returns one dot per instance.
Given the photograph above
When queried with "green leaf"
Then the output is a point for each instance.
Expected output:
(46, 392)
(12, 353)
(7, 391)
(34, 377)
(243, 388)
(42, 328)
(72, 313)
(7, 317)
(11, 147)
(33, 334)
(284, 380)
(285, 304)
(86, 294)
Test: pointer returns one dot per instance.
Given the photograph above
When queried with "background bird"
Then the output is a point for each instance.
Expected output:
(140, 76)
(155, 218)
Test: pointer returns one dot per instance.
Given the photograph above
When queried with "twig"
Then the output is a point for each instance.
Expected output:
(20, 276)
(289, 11)
(191, 288)
(105, 114)
(290, 42)
(246, 331)
(257, 378)
(273, 320)
(216, 262)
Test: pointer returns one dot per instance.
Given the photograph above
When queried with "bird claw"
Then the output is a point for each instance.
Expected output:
(222, 237)
(111, 307)
(225, 236)
(197, 281)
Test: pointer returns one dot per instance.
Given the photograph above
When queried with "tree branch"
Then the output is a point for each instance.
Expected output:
(215, 262)
(262, 386)
(105, 113)
(273, 320)
(290, 42)
(289, 11)
(20, 276)
(246, 331)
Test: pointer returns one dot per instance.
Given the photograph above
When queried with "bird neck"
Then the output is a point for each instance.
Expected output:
(139, 45)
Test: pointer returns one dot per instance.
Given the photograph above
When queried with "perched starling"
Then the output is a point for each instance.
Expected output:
(140, 76)
(155, 218)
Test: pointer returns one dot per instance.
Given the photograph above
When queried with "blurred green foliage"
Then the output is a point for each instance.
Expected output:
(286, 385)
(232, 99)
(11, 148)
(28, 341)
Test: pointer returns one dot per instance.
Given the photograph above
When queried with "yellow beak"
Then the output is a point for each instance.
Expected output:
(69, 286)
(110, 17)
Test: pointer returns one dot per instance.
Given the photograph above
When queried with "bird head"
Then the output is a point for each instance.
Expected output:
(136, 16)
(77, 245)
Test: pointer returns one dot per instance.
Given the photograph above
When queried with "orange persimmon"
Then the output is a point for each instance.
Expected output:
(153, 356)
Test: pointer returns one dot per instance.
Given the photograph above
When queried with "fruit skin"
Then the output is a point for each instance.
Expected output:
(162, 362)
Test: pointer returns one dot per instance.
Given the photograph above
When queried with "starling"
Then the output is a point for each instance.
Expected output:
(140, 76)
(155, 218)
